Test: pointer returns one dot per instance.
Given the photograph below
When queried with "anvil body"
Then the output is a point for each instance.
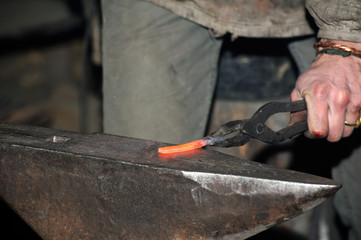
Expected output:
(68, 185)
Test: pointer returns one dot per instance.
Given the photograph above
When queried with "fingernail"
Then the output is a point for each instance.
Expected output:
(317, 135)
(313, 135)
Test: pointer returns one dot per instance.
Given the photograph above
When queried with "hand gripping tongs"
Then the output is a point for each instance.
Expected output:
(240, 132)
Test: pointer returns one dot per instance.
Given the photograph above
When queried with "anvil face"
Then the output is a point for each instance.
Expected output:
(95, 186)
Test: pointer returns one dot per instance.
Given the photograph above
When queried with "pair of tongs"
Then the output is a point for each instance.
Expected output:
(240, 132)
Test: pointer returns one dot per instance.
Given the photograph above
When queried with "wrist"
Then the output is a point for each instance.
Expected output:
(338, 47)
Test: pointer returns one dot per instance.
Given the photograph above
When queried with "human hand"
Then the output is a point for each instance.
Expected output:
(332, 90)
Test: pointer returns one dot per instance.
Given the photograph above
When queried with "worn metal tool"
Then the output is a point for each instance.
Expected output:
(69, 185)
(240, 132)
(256, 127)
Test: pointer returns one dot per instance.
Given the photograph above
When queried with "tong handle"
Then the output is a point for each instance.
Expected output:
(257, 128)
(269, 109)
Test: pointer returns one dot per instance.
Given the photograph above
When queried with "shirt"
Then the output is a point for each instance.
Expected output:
(336, 19)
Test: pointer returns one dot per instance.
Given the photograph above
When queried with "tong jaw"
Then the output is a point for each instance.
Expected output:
(240, 132)
(231, 134)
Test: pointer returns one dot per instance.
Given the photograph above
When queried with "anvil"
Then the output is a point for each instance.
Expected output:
(68, 185)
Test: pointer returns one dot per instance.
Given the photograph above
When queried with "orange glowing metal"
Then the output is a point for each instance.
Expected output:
(184, 147)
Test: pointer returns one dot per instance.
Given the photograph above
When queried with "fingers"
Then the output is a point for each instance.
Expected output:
(351, 117)
(317, 122)
(336, 120)
(315, 96)
(332, 90)
(316, 110)
(297, 116)
(326, 111)
(333, 126)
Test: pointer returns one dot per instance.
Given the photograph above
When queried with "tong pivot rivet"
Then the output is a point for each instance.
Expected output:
(260, 128)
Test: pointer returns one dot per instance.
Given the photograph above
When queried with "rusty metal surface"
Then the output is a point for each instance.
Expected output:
(95, 186)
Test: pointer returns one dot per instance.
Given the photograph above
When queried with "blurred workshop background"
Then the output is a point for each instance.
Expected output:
(49, 64)
(50, 73)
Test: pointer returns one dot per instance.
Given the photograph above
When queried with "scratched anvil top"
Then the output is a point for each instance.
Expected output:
(68, 185)
(137, 151)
